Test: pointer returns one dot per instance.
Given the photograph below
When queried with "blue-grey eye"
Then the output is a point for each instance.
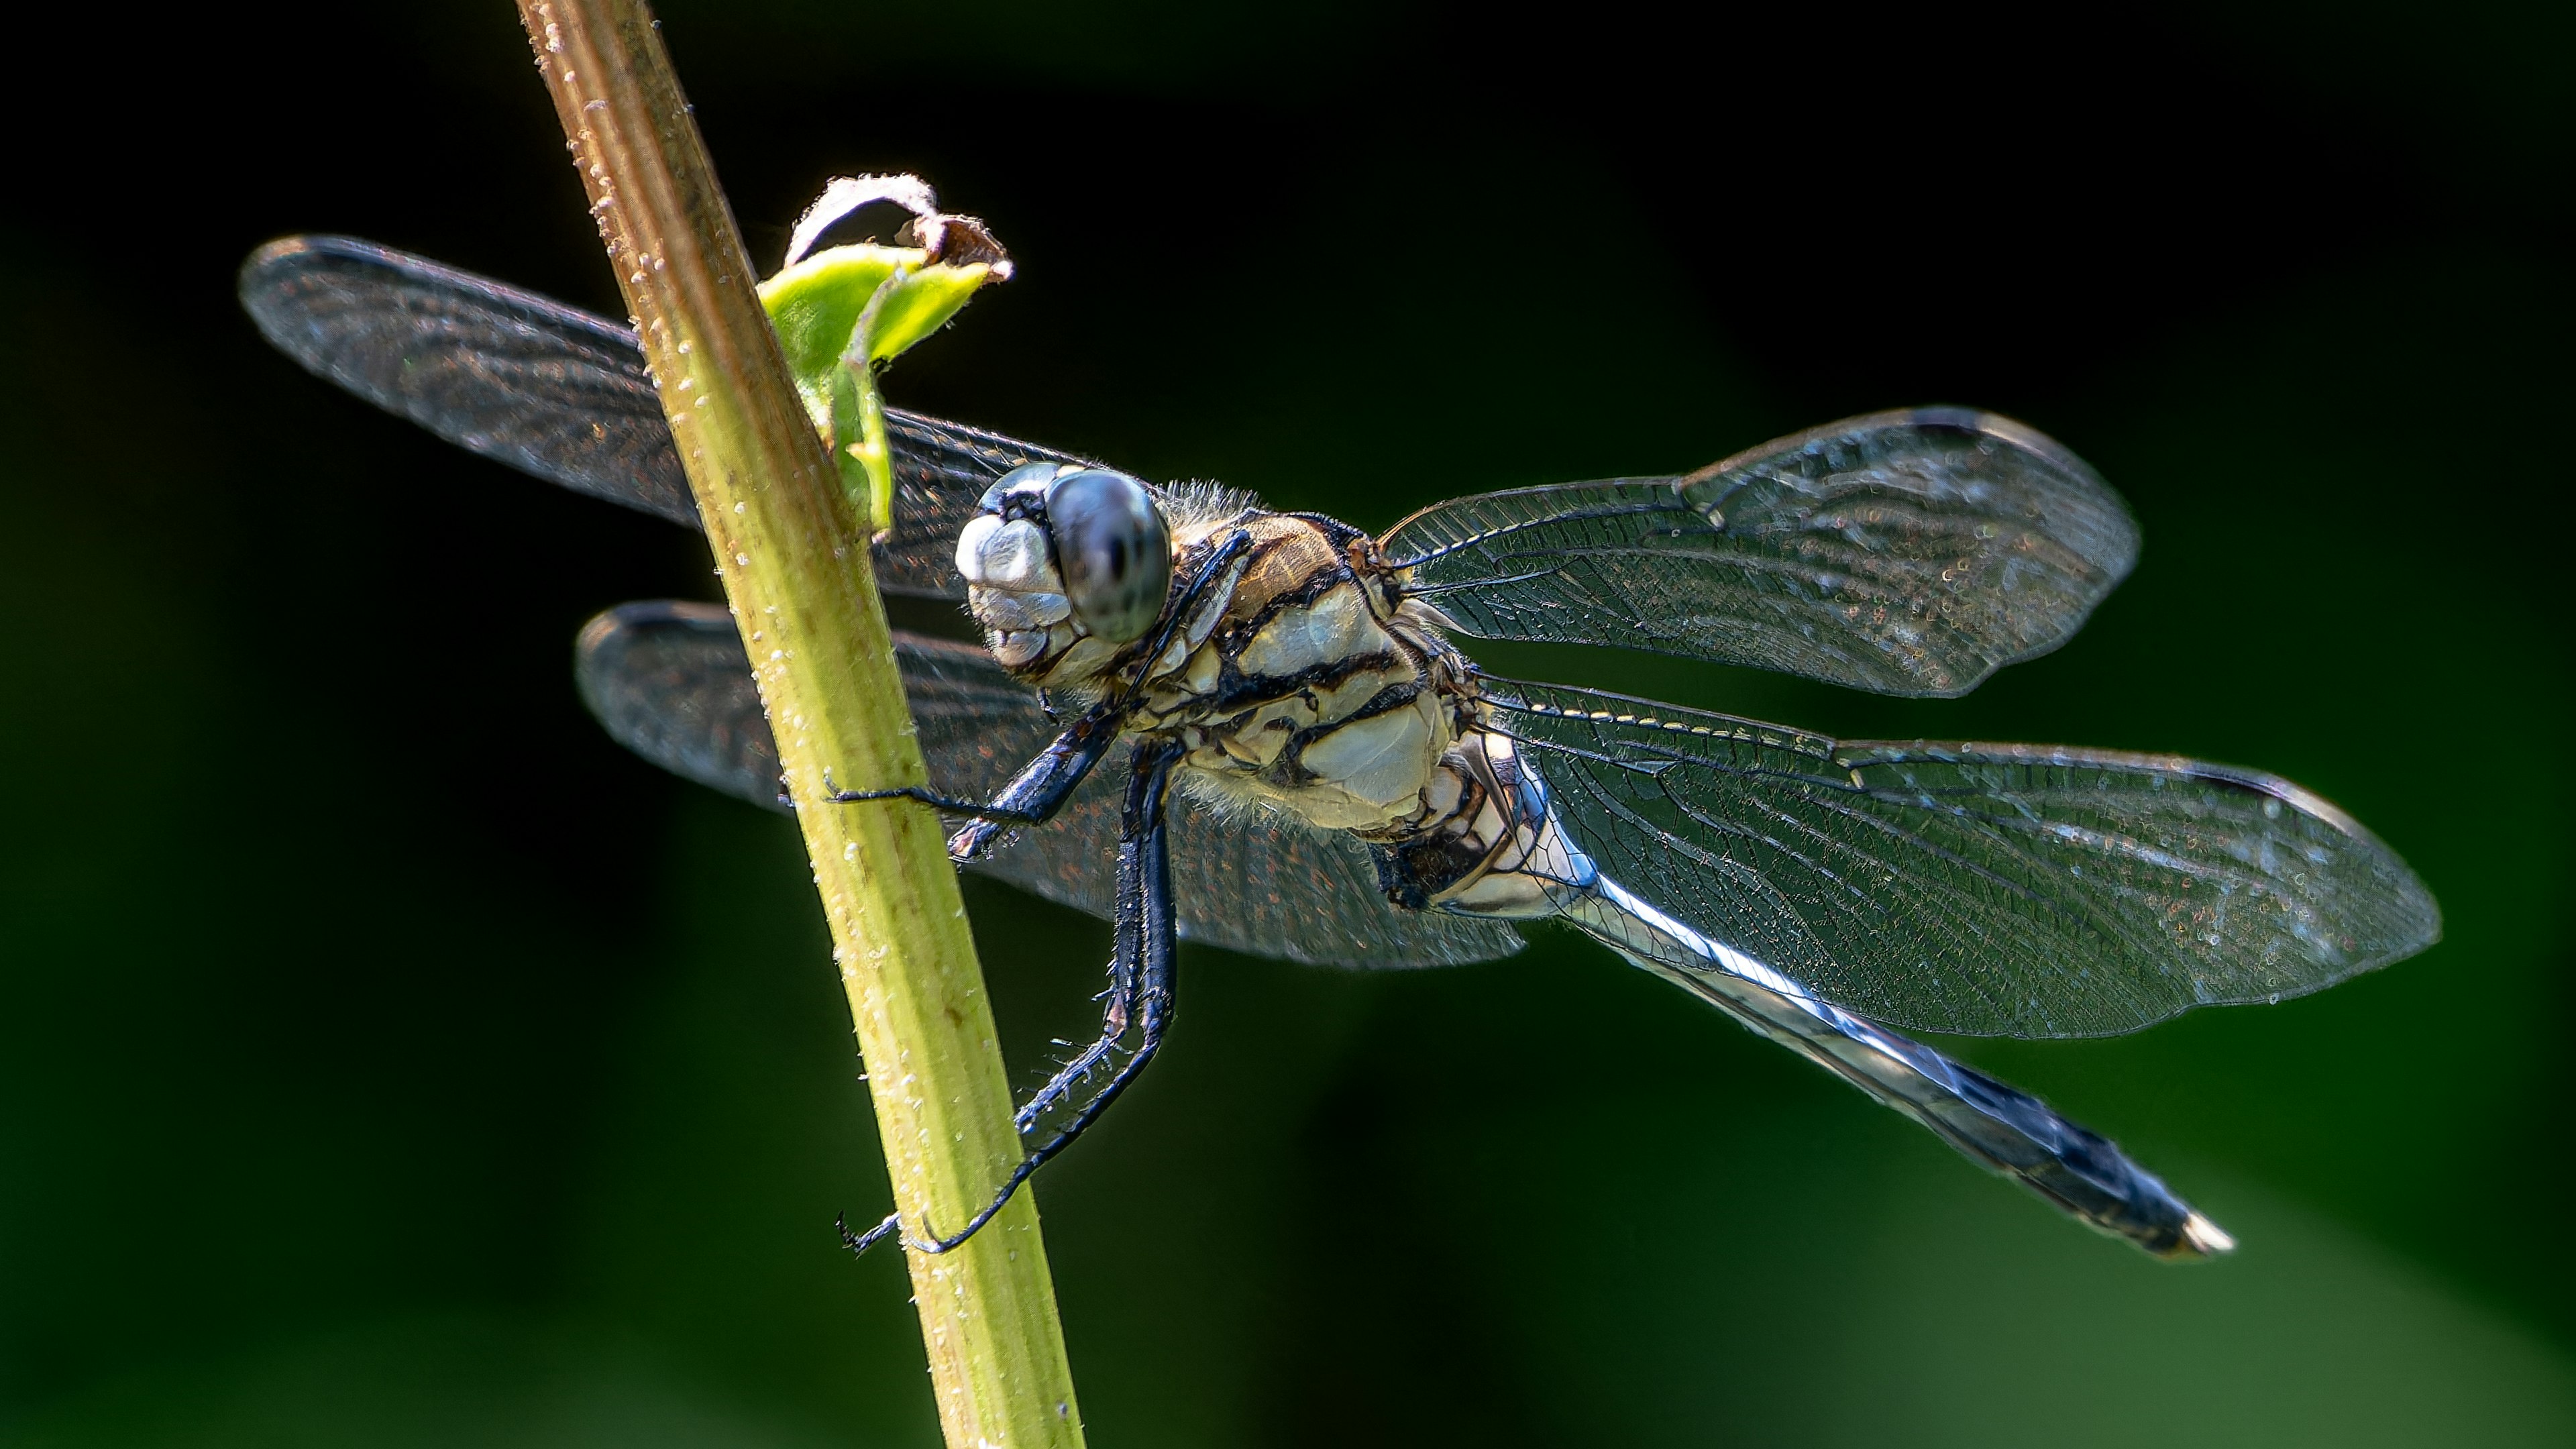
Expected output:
(1113, 550)
(1027, 475)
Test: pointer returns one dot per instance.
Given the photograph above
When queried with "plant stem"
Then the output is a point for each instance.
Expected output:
(791, 550)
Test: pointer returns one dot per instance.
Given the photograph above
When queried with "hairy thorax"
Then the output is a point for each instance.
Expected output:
(1307, 687)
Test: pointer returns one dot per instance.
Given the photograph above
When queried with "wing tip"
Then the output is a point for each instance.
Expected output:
(2114, 538)
(255, 284)
(287, 253)
(268, 253)
(2119, 549)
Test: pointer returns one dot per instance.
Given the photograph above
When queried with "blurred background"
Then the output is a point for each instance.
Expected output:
(387, 1058)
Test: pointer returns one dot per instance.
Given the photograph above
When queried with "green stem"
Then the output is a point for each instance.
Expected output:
(795, 565)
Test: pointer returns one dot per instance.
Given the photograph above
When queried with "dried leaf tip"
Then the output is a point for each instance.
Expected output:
(958, 240)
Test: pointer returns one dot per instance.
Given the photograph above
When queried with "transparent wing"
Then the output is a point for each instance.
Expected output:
(941, 470)
(520, 379)
(560, 393)
(1909, 552)
(669, 680)
(2006, 890)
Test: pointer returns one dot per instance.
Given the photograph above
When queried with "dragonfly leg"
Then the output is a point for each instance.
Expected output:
(1032, 797)
(946, 805)
(1114, 1022)
(1141, 994)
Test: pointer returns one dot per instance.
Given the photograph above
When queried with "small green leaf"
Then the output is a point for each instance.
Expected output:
(843, 312)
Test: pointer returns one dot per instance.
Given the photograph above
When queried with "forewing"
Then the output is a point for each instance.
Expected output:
(670, 682)
(2013, 890)
(563, 394)
(548, 389)
(1910, 552)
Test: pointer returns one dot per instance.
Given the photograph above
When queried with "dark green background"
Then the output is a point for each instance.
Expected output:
(387, 1059)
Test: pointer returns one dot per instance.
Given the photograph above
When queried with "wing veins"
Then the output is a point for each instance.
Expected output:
(2036, 891)
(1524, 525)
(1910, 553)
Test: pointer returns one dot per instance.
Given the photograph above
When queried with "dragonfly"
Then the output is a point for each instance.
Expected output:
(1315, 770)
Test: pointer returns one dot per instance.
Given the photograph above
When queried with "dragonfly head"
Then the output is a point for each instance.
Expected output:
(1065, 566)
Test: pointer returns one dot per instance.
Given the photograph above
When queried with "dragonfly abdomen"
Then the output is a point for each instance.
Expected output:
(1501, 851)
(2006, 1129)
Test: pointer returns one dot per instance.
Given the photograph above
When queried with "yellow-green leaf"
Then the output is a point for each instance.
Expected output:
(821, 305)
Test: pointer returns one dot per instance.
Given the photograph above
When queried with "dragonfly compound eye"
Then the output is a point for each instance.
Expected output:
(1028, 478)
(1113, 550)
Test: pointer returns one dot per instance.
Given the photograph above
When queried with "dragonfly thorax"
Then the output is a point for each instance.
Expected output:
(1304, 686)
